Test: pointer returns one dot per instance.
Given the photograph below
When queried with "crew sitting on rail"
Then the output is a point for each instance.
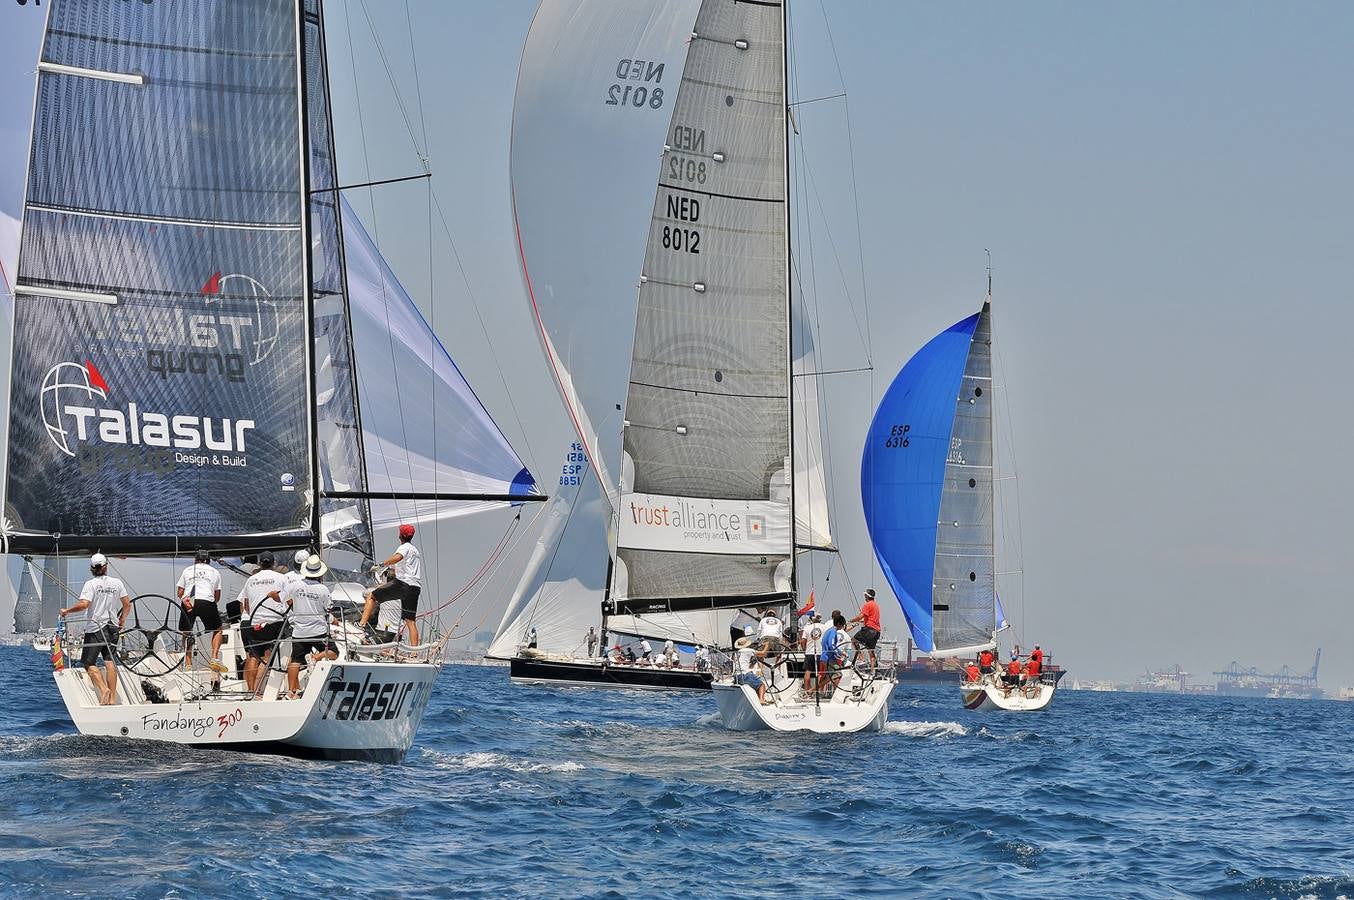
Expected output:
(749, 671)
(670, 659)
(1032, 669)
(971, 673)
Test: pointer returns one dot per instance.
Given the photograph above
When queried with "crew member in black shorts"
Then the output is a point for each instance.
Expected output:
(106, 599)
(405, 586)
(199, 591)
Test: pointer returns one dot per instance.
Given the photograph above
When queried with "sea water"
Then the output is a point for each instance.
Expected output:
(528, 791)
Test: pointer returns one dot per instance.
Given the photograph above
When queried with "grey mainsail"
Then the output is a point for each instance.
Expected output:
(964, 589)
(706, 480)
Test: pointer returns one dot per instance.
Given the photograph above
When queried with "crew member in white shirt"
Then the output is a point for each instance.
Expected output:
(405, 587)
(813, 650)
(748, 670)
(199, 591)
(298, 561)
(106, 599)
(265, 618)
(646, 652)
(770, 626)
(310, 603)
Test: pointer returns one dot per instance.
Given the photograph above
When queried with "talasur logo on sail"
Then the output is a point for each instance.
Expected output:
(75, 409)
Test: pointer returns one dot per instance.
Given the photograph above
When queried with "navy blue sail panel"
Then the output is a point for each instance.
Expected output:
(160, 392)
(903, 470)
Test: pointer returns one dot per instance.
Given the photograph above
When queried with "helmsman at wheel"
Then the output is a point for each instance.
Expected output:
(405, 587)
(101, 595)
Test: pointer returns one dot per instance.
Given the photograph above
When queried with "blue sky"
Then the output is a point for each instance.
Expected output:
(1166, 191)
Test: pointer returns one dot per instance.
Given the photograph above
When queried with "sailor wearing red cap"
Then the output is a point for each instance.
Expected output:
(405, 586)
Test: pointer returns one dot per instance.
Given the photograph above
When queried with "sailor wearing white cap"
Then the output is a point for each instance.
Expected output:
(106, 599)
(298, 561)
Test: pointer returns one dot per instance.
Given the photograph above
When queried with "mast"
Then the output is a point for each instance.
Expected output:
(307, 263)
(789, 300)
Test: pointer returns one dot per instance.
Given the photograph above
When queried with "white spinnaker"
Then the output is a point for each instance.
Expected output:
(560, 592)
(583, 170)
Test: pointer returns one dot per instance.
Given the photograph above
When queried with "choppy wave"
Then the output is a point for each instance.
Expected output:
(925, 729)
(517, 791)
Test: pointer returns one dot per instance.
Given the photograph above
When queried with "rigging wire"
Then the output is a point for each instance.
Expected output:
(855, 199)
(437, 204)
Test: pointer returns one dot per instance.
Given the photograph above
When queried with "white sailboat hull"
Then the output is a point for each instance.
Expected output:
(740, 710)
(1023, 698)
(347, 710)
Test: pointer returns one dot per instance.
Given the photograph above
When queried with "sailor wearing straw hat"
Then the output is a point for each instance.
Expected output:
(310, 603)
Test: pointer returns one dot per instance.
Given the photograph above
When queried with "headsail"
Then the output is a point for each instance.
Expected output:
(431, 449)
(560, 591)
(157, 392)
(706, 480)
(926, 486)
(605, 75)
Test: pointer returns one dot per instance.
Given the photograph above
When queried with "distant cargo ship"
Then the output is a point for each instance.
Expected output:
(1235, 681)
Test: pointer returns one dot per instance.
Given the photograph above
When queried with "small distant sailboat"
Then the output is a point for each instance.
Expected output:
(193, 301)
(928, 490)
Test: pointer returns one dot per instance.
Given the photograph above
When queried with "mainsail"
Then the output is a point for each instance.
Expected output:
(926, 486)
(706, 480)
(157, 390)
(201, 319)
(692, 95)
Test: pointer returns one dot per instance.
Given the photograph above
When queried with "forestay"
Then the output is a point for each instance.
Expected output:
(926, 486)
(159, 374)
(595, 93)
(706, 477)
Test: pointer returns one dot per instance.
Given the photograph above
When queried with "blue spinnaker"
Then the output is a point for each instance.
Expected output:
(903, 470)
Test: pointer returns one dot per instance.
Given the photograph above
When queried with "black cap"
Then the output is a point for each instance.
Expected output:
(266, 560)
(202, 555)
(869, 592)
